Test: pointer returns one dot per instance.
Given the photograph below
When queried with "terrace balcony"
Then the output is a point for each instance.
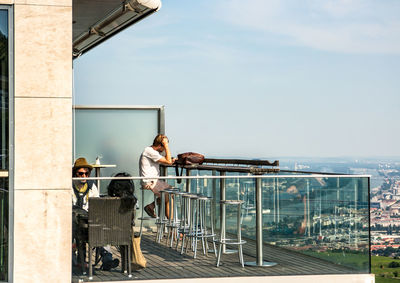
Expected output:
(315, 226)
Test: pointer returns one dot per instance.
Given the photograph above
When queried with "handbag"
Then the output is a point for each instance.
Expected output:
(138, 260)
(187, 158)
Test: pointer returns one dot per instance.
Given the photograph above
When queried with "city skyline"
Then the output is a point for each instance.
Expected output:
(269, 78)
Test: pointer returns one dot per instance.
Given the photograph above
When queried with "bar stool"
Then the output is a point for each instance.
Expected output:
(238, 241)
(194, 225)
(184, 221)
(198, 225)
(188, 212)
(206, 233)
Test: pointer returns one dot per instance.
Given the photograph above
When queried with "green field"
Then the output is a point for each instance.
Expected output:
(383, 273)
(358, 261)
(379, 264)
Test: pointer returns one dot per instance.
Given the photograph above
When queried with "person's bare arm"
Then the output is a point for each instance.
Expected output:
(168, 160)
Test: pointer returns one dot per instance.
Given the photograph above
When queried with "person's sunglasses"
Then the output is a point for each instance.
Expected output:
(83, 173)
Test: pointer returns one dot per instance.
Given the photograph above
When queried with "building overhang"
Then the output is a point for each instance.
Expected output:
(94, 21)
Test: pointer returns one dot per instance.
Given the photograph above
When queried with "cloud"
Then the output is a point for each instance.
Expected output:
(349, 26)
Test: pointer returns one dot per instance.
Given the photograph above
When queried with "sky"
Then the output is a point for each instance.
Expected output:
(259, 79)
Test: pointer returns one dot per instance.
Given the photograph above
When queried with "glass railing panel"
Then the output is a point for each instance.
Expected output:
(324, 217)
(317, 217)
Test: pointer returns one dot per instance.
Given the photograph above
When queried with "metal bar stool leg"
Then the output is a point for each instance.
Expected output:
(212, 216)
(141, 218)
(185, 220)
(239, 235)
(161, 218)
(181, 222)
(196, 226)
(203, 228)
(171, 222)
(203, 233)
(158, 216)
(191, 224)
(175, 221)
(221, 238)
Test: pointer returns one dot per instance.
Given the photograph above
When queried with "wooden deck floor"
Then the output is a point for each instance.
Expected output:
(167, 263)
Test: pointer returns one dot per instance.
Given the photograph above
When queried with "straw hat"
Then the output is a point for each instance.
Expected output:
(81, 163)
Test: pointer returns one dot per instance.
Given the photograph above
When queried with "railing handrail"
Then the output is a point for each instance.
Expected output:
(224, 177)
(313, 172)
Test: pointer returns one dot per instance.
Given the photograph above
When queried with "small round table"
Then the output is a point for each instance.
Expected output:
(98, 167)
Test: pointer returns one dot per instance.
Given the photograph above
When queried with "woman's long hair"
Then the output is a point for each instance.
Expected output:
(124, 189)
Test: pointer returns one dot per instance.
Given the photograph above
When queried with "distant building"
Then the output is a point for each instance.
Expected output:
(375, 205)
(387, 203)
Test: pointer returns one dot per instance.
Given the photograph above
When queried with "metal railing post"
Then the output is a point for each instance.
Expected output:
(214, 197)
(259, 232)
(259, 218)
(355, 212)
(308, 209)
(277, 202)
(188, 181)
(274, 198)
(222, 217)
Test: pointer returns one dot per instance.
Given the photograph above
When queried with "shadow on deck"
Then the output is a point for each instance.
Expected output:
(167, 263)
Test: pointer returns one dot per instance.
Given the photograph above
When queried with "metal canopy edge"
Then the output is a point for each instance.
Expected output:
(94, 21)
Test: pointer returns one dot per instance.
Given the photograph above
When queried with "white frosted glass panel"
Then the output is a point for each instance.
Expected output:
(117, 136)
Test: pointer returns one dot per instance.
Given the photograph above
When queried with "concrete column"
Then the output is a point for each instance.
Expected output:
(43, 140)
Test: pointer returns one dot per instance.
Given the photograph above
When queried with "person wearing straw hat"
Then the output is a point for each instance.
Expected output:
(83, 189)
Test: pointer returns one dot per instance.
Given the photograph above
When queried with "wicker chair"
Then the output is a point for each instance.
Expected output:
(109, 225)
